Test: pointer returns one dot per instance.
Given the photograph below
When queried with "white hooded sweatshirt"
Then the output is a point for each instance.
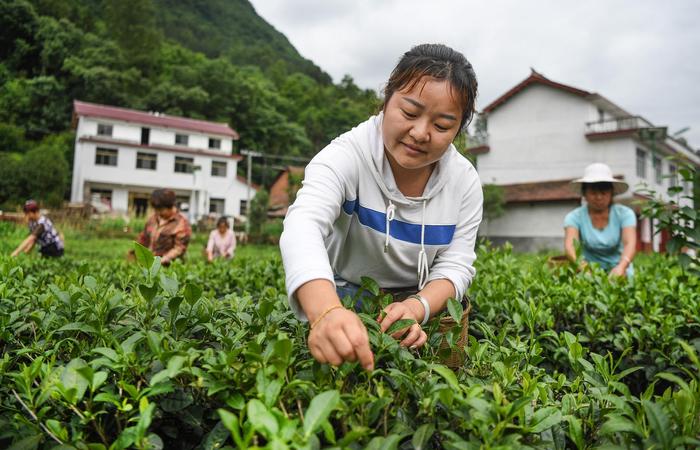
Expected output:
(350, 219)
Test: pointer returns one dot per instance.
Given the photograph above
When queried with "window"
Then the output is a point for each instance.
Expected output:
(641, 163)
(104, 129)
(216, 206)
(673, 175)
(214, 143)
(145, 136)
(601, 115)
(218, 169)
(106, 156)
(181, 139)
(658, 172)
(184, 165)
(146, 160)
(244, 207)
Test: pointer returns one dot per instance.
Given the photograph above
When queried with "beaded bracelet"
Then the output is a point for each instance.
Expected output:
(323, 314)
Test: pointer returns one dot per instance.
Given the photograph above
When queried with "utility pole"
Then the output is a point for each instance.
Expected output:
(250, 154)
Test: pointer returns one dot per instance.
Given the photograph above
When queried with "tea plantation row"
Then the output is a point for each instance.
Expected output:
(209, 356)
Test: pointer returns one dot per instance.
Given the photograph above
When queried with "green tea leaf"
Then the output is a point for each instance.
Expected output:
(619, 424)
(192, 293)
(29, 443)
(422, 436)
(262, 419)
(447, 374)
(319, 410)
(169, 284)
(148, 292)
(400, 325)
(72, 379)
(660, 423)
(455, 309)
(544, 419)
(144, 257)
(575, 432)
(78, 326)
(369, 285)
(231, 423)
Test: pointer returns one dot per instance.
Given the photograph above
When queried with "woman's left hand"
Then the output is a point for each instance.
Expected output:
(617, 271)
(414, 336)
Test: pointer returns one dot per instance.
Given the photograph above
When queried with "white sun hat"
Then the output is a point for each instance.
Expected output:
(599, 173)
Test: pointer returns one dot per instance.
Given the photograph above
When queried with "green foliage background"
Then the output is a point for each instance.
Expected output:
(215, 60)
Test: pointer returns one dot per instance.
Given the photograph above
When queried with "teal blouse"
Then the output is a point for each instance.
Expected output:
(602, 246)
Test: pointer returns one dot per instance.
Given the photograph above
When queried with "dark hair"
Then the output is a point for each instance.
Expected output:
(163, 198)
(222, 221)
(602, 186)
(31, 206)
(437, 61)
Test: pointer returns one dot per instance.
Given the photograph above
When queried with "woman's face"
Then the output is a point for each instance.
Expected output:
(166, 213)
(420, 123)
(598, 200)
(222, 228)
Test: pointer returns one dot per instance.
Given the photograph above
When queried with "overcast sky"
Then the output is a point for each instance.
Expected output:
(643, 55)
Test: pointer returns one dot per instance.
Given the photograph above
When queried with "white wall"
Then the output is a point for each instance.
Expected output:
(530, 220)
(127, 131)
(120, 199)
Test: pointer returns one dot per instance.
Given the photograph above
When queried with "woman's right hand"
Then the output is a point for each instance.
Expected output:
(341, 336)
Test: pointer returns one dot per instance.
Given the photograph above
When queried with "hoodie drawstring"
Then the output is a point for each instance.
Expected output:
(390, 212)
(423, 269)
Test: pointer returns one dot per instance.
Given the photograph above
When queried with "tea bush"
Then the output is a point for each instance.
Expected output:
(196, 356)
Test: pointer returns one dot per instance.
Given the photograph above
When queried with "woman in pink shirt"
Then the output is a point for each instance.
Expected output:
(222, 241)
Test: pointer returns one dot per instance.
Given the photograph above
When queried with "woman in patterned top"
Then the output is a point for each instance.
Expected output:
(42, 232)
(167, 232)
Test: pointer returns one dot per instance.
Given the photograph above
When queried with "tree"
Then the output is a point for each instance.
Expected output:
(679, 216)
(494, 201)
(133, 25)
(43, 172)
(258, 213)
(10, 189)
(18, 47)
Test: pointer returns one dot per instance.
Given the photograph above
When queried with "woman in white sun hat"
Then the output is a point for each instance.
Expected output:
(607, 231)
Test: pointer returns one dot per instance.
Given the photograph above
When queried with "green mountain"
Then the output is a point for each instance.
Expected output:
(233, 29)
(215, 60)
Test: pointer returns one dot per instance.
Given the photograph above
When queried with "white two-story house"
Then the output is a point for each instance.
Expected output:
(540, 135)
(122, 155)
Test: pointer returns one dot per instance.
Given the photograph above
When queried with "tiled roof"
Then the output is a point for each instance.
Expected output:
(534, 78)
(543, 191)
(159, 120)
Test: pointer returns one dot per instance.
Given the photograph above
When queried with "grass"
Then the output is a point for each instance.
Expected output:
(93, 246)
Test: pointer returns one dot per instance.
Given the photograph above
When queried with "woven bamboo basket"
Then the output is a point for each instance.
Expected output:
(557, 261)
(455, 357)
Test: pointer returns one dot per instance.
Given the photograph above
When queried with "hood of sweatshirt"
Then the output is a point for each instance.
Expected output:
(367, 140)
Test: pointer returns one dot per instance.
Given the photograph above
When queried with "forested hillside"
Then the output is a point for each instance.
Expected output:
(215, 60)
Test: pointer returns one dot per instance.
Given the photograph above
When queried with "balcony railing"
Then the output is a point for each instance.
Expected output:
(630, 123)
